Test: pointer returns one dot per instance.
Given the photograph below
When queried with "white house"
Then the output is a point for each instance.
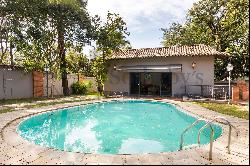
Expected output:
(165, 71)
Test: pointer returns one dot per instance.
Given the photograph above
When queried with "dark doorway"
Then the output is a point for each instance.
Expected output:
(134, 83)
(166, 84)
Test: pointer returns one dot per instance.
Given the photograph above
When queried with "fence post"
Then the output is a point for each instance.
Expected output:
(212, 91)
(201, 90)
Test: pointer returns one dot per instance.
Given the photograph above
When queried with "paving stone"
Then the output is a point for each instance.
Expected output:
(47, 161)
(132, 160)
(31, 148)
(73, 158)
(118, 160)
(91, 159)
(155, 159)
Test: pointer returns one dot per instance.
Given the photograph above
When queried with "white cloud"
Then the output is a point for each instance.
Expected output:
(143, 15)
(131, 10)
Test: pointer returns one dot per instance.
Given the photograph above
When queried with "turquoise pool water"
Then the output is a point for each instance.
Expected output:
(116, 127)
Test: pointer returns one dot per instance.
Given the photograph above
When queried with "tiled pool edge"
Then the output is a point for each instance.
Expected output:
(19, 151)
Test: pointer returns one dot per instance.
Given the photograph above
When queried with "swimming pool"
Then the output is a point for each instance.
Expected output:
(115, 127)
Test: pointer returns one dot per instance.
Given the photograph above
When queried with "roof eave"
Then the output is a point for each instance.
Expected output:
(220, 56)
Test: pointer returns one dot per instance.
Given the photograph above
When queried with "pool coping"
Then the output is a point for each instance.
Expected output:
(29, 153)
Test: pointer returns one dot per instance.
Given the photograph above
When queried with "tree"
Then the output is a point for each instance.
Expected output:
(4, 32)
(12, 20)
(187, 34)
(38, 48)
(78, 63)
(43, 30)
(220, 24)
(73, 25)
(111, 37)
(99, 70)
(29, 33)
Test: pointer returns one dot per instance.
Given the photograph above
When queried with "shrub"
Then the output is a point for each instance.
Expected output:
(79, 88)
(89, 85)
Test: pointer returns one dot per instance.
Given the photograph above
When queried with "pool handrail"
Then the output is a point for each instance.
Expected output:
(189, 127)
(229, 134)
(211, 134)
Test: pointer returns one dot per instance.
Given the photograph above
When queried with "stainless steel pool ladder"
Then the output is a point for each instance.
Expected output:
(189, 127)
(211, 134)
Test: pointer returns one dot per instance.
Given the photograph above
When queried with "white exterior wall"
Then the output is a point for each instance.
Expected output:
(58, 89)
(202, 74)
(15, 84)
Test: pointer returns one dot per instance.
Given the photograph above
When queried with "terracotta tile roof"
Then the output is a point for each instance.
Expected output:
(195, 50)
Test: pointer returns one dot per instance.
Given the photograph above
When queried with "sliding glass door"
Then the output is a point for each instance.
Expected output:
(134, 83)
(151, 84)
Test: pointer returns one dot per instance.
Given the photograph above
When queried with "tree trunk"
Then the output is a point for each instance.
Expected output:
(63, 63)
(11, 54)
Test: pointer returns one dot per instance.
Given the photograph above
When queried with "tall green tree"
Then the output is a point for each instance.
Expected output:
(187, 34)
(73, 27)
(222, 24)
(4, 35)
(16, 17)
(111, 37)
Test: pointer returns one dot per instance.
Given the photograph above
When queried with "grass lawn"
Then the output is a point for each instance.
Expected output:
(12, 104)
(228, 109)
(29, 100)
(5, 110)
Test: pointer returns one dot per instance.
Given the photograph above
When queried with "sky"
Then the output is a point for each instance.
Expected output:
(144, 18)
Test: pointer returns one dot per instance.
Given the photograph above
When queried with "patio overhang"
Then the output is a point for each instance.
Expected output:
(150, 68)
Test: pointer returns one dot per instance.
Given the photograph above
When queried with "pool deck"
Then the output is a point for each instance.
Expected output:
(16, 150)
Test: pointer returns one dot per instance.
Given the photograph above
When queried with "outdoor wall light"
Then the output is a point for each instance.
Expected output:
(193, 65)
(117, 68)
